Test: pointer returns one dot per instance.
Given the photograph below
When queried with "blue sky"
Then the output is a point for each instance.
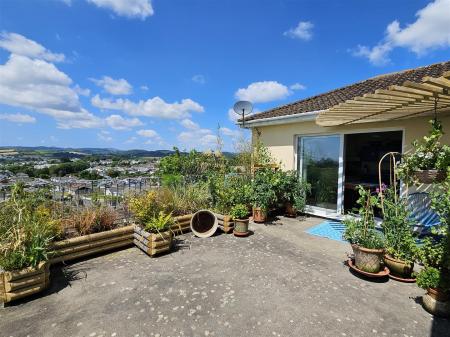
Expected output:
(162, 73)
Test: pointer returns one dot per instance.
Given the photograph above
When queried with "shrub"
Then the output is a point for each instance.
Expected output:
(263, 191)
(362, 231)
(239, 212)
(292, 189)
(26, 229)
(229, 190)
(428, 278)
(159, 223)
(397, 227)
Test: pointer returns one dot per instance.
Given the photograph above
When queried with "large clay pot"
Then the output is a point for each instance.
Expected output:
(291, 212)
(259, 215)
(430, 176)
(398, 267)
(241, 227)
(437, 302)
(368, 260)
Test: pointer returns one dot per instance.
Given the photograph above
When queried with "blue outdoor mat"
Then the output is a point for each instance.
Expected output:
(328, 229)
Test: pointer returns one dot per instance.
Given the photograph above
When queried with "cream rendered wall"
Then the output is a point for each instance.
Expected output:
(281, 139)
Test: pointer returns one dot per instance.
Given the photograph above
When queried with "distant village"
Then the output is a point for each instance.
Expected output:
(104, 179)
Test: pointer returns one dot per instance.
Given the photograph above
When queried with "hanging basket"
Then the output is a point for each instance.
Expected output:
(430, 176)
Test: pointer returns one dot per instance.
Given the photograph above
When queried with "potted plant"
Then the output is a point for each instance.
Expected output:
(263, 193)
(429, 159)
(401, 249)
(435, 255)
(155, 237)
(239, 214)
(367, 243)
(437, 299)
(26, 231)
(292, 192)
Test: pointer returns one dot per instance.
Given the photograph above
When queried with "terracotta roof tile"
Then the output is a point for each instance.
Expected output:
(331, 98)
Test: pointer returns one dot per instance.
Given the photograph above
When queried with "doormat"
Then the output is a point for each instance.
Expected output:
(328, 229)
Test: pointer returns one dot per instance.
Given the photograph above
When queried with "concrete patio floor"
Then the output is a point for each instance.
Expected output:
(280, 281)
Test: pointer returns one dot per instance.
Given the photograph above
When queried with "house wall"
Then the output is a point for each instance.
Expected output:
(281, 139)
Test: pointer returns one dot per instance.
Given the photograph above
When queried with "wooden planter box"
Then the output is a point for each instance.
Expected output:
(23, 283)
(182, 224)
(226, 224)
(91, 244)
(151, 243)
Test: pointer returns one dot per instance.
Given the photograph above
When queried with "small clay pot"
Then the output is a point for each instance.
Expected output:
(241, 227)
(259, 215)
(366, 259)
(436, 302)
(399, 268)
(430, 176)
(290, 212)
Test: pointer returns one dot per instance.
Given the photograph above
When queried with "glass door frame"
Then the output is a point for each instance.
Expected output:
(320, 211)
(341, 179)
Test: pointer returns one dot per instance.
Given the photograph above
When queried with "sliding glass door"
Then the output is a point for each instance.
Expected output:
(318, 163)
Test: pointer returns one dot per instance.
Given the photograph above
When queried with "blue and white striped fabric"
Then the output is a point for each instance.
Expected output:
(328, 229)
(424, 218)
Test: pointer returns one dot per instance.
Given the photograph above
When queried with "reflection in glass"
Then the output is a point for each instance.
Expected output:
(319, 165)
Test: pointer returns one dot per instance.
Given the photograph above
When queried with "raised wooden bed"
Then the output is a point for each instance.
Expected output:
(182, 224)
(226, 224)
(18, 284)
(151, 243)
(91, 244)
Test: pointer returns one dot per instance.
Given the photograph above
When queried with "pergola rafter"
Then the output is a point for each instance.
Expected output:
(396, 102)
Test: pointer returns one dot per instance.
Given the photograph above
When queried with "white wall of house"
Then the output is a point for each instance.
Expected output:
(281, 139)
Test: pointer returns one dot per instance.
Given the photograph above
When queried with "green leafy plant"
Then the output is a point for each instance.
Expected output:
(292, 189)
(159, 223)
(362, 231)
(229, 190)
(428, 154)
(430, 277)
(239, 211)
(397, 227)
(263, 191)
(26, 229)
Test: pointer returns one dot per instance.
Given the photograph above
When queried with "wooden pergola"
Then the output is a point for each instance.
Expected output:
(396, 102)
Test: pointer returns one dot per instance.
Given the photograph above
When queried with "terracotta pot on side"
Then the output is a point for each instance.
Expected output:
(368, 260)
(240, 227)
(291, 212)
(398, 267)
(430, 176)
(259, 215)
(437, 302)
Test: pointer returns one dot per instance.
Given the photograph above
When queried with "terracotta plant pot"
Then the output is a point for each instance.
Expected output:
(259, 215)
(291, 212)
(430, 176)
(241, 227)
(437, 302)
(398, 267)
(368, 260)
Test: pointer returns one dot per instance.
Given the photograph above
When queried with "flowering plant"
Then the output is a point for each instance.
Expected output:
(429, 154)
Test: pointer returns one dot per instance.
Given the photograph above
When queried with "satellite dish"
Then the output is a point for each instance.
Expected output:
(242, 108)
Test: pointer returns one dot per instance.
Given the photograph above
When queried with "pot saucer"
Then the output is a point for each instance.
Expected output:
(240, 234)
(381, 273)
(400, 279)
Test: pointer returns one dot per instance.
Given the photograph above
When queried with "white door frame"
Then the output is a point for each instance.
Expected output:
(341, 171)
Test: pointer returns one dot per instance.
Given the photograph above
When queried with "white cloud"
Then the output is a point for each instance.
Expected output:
(80, 91)
(431, 30)
(144, 87)
(19, 45)
(153, 107)
(38, 85)
(117, 122)
(112, 86)
(261, 92)
(18, 118)
(198, 138)
(104, 136)
(131, 140)
(230, 133)
(302, 31)
(200, 79)
(188, 124)
(149, 133)
(129, 8)
(297, 86)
